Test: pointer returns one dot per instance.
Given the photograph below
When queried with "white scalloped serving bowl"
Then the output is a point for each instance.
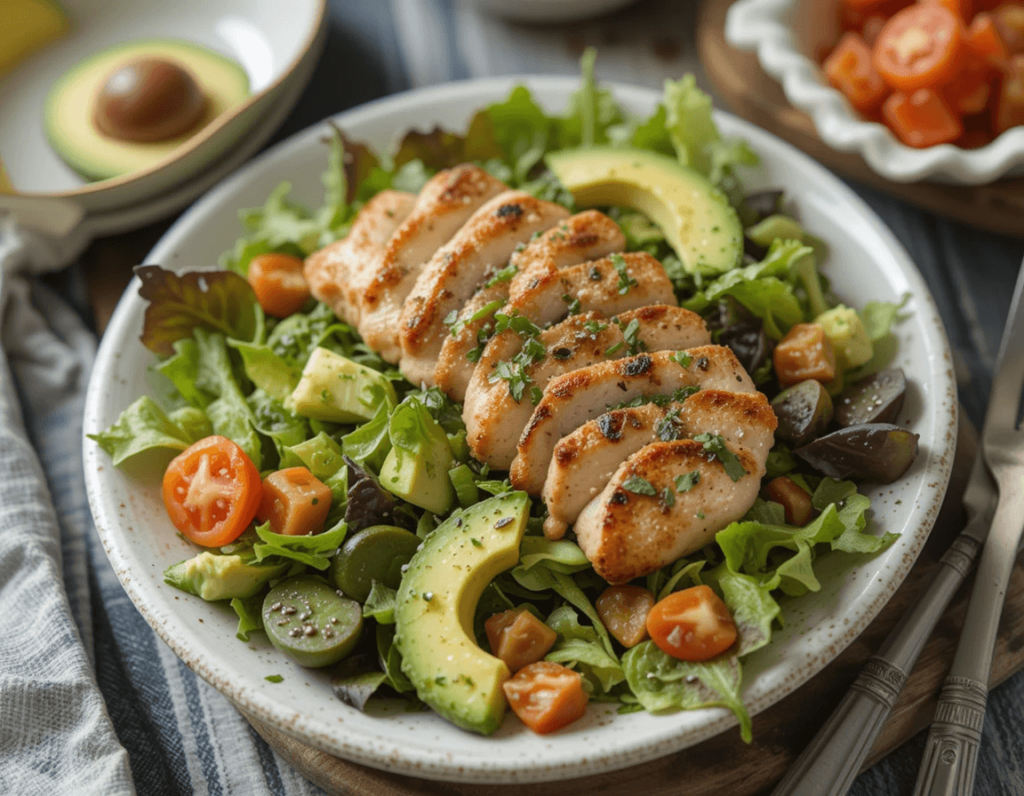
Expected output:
(787, 33)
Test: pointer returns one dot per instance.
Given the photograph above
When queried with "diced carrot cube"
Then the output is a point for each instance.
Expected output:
(922, 118)
(849, 68)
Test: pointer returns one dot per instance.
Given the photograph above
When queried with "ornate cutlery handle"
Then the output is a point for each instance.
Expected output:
(951, 755)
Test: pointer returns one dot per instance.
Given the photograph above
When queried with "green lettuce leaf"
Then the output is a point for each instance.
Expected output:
(142, 427)
(314, 551)
(368, 445)
(380, 603)
(250, 615)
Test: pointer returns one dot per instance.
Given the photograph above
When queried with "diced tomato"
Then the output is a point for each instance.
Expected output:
(804, 353)
(211, 491)
(295, 502)
(1009, 105)
(279, 283)
(922, 119)
(692, 625)
(546, 696)
(1009, 21)
(964, 9)
(849, 68)
(792, 497)
(968, 92)
(624, 609)
(919, 47)
(985, 40)
(519, 638)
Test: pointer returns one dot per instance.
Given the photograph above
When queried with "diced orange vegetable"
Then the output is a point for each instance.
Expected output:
(546, 696)
(519, 638)
(804, 353)
(919, 47)
(624, 609)
(922, 119)
(792, 498)
(295, 502)
(969, 91)
(279, 284)
(1009, 105)
(692, 625)
(1009, 21)
(985, 40)
(849, 68)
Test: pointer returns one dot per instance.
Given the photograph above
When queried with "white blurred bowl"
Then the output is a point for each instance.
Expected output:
(786, 35)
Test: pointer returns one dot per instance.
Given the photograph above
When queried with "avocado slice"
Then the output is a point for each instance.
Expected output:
(416, 467)
(435, 607)
(339, 390)
(221, 577)
(695, 217)
(73, 133)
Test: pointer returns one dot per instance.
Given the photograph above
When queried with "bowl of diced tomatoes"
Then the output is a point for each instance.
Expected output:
(922, 89)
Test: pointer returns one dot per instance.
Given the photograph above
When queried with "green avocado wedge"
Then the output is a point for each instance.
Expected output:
(696, 218)
(435, 607)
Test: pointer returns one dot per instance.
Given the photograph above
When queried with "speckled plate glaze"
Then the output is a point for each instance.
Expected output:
(867, 263)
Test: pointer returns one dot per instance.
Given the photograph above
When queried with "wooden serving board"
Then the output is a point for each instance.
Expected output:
(758, 97)
(724, 764)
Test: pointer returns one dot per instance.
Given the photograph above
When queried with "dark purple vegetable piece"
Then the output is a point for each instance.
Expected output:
(221, 301)
(356, 679)
(804, 412)
(876, 452)
(742, 331)
(369, 504)
(761, 204)
(876, 399)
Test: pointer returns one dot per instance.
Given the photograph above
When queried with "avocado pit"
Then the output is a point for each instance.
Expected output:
(149, 99)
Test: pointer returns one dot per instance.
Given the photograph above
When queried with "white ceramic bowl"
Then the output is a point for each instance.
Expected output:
(273, 41)
(786, 35)
(868, 263)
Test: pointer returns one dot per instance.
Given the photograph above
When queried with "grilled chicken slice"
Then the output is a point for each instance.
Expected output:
(457, 270)
(580, 341)
(338, 274)
(626, 535)
(597, 285)
(585, 460)
(444, 204)
(571, 400)
(585, 236)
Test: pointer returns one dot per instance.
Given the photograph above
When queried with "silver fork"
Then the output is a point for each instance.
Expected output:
(951, 754)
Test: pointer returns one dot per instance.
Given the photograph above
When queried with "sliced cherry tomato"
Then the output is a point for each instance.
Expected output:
(849, 68)
(919, 47)
(279, 283)
(1009, 21)
(1009, 106)
(624, 609)
(985, 40)
(692, 625)
(546, 696)
(922, 119)
(518, 638)
(294, 502)
(211, 491)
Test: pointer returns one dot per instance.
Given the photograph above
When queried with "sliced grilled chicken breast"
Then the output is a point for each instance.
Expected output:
(577, 342)
(571, 400)
(626, 535)
(596, 285)
(585, 460)
(585, 236)
(458, 269)
(338, 274)
(444, 204)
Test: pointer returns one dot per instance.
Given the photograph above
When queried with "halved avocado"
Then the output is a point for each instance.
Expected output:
(70, 106)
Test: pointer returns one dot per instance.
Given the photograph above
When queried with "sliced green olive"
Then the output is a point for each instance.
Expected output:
(376, 553)
(804, 412)
(310, 622)
(876, 399)
(877, 452)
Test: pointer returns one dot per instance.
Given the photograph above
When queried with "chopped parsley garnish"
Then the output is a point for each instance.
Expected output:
(668, 497)
(274, 678)
(630, 339)
(625, 280)
(639, 486)
(683, 358)
(594, 327)
(504, 275)
(515, 370)
(667, 429)
(713, 443)
(456, 324)
(684, 483)
(678, 396)
(573, 304)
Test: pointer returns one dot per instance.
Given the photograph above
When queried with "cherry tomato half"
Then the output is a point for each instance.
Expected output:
(211, 491)
(919, 47)
(692, 625)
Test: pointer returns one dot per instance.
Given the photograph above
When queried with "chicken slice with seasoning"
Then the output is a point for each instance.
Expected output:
(444, 204)
(455, 272)
(585, 460)
(580, 238)
(571, 400)
(338, 274)
(580, 341)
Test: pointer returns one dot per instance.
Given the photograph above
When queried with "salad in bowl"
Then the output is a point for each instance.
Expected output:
(550, 415)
